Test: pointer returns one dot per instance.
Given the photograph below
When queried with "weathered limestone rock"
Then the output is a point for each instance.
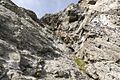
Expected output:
(93, 35)
(47, 48)
(105, 70)
(28, 47)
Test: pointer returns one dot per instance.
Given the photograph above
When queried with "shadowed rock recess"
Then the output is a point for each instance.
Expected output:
(82, 42)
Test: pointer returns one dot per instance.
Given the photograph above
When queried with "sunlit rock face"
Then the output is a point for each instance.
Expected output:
(82, 42)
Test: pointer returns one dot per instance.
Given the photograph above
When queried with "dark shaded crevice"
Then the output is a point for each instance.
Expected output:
(92, 2)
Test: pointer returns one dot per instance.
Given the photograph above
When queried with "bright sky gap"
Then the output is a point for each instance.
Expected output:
(41, 7)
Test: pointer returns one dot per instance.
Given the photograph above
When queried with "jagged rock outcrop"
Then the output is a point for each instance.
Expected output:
(81, 42)
(91, 29)
(29, 51)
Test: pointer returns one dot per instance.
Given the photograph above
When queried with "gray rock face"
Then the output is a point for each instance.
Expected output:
(81, 42)
(28, 50)
(91, 29)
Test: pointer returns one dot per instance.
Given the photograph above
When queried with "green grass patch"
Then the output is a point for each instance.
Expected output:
(81, 63)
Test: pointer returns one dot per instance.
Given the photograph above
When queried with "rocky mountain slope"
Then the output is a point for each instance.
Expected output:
(82, 42)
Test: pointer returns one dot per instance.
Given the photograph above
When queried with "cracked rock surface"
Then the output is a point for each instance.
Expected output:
(82, 42)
